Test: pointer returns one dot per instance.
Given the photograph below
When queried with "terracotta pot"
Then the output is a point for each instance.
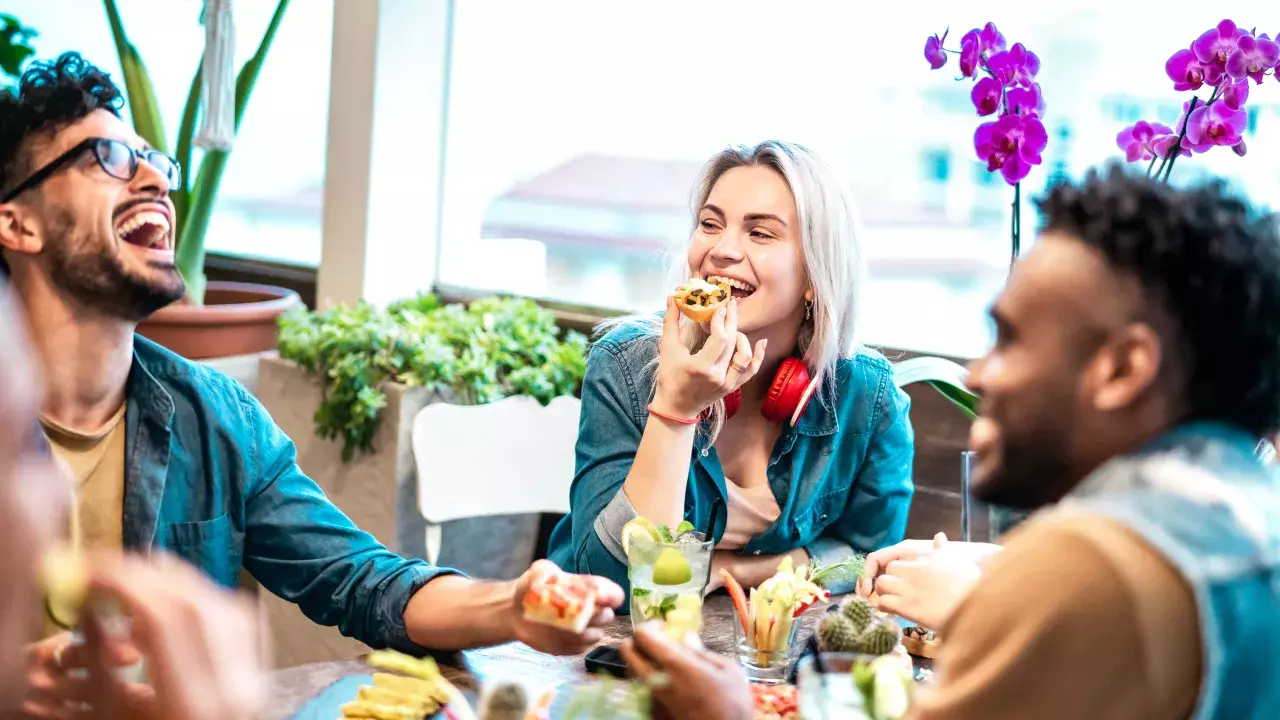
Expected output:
(236, 319)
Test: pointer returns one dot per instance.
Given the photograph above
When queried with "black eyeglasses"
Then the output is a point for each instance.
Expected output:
(114, 157)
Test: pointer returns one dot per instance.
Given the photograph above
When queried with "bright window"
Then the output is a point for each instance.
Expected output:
(270, 202)
(575, 130)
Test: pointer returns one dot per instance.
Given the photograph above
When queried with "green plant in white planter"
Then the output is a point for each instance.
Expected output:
(491, 349)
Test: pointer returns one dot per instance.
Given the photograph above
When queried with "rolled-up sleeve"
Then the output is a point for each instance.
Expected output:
(608, 436)
(875, 515)
(304, 549)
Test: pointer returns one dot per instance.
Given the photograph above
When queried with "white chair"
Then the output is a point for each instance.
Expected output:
(513, 456)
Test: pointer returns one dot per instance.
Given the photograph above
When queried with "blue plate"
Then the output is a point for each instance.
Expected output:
(328, 704)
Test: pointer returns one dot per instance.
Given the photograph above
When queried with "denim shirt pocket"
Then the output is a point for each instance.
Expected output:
(824, 510)
(214, 546)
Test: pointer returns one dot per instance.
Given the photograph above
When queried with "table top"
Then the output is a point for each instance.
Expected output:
(293, 688)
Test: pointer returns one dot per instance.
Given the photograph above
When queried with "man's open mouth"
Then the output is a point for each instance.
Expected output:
(148, 229)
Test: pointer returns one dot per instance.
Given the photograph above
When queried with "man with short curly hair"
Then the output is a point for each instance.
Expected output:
(1135, 370)
(167, 453)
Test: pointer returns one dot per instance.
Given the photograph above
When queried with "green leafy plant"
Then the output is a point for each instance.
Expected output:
(15, 45)
(494, 348)
(943, 375)
(194, 201)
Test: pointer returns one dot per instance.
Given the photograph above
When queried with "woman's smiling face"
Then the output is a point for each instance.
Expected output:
(748, 233)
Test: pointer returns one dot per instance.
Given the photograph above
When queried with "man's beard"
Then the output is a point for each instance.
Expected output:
(1036, 467)
(99, 280)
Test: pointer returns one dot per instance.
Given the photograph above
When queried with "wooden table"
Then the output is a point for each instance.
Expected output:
(293, 688)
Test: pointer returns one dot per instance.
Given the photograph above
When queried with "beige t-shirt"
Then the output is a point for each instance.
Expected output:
(95, 462)
(750, 511)
(1077, 618)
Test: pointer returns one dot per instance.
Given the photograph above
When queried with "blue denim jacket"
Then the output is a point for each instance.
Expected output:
(1201, 497)
(842, 476)
(211, 478)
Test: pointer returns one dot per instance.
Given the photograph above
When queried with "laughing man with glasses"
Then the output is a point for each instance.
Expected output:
(169, 454)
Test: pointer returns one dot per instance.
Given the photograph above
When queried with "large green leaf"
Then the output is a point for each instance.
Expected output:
(203, 194)
(137, 84)
(15, 45)
(945, 376)
(186, 130)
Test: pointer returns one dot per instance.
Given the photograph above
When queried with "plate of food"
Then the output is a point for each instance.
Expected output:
(775, 702)
(400, 688)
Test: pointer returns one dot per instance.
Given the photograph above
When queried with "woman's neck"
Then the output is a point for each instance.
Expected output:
(782, 339)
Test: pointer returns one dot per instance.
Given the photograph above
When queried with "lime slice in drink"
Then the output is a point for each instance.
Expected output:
(671, 568)
(641, 528)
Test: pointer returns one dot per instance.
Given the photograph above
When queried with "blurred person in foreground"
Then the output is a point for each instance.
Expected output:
(199, 641)
(169, 454)
(1135, 371)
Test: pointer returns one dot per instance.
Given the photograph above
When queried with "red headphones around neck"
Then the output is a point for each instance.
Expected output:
(789, 394)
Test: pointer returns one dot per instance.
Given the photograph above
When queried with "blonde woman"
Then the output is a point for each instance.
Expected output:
(769, 428)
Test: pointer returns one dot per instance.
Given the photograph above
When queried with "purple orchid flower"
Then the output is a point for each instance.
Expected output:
(1188, 73)
(1215, 124)
(933, 51)
(986, 95)
(1216, 45)
(1162, 146)
(1026, 101)
(1253, 57)
(1015, 66)
(1239, 148)
(991, 38)
(1136, 140)
(977, 44)
(1011, 145)
(1235, 94)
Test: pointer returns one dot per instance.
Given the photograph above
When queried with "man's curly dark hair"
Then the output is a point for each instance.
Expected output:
(50, 95)
(1209, 264)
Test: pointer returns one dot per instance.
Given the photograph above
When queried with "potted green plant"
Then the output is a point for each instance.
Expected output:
(15, 47)
(216, 319)
(493, 348)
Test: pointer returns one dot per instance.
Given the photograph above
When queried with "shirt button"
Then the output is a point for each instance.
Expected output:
(822, 518)
(757, 552)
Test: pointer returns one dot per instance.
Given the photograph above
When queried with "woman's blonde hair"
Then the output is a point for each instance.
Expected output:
(833, 260)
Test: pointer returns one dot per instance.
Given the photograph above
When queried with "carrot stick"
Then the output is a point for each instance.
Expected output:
(739, 599)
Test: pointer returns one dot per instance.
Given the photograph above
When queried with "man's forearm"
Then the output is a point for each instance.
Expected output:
(458, 613)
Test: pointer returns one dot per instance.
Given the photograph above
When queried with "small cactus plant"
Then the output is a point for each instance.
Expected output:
(859, 611)
(856, 630)
(836, 631)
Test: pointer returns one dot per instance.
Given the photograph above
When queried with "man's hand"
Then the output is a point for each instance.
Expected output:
(200, 641)
(694, 684)
(557, 641)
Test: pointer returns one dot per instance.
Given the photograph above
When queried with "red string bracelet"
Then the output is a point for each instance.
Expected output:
(673, 418)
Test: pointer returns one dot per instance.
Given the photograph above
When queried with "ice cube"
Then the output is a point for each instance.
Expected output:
(690, 537)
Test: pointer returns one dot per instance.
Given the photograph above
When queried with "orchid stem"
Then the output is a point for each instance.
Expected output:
(1015, 229)
(1176, 150)
(1154, 158)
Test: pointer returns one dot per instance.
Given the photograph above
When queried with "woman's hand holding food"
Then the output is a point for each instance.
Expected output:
(689, 383)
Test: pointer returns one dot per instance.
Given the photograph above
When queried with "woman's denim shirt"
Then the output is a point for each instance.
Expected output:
(841, 476)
